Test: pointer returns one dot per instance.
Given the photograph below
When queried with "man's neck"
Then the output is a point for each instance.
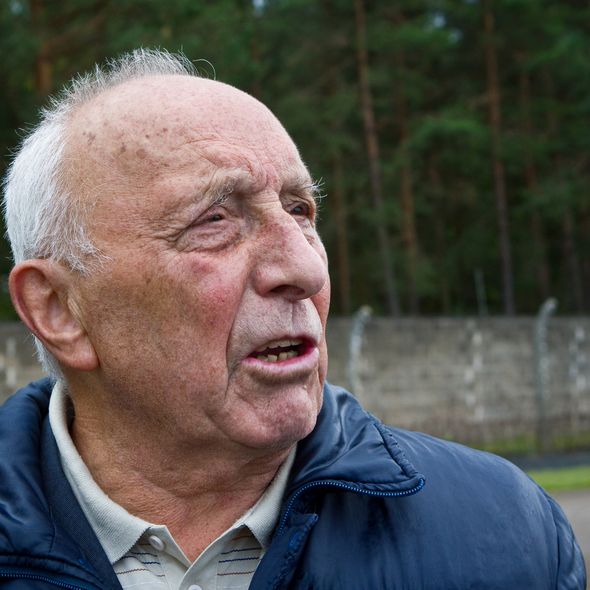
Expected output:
(198, 492)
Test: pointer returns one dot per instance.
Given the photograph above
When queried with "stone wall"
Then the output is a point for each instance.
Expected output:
(18, 364)
(472, 380)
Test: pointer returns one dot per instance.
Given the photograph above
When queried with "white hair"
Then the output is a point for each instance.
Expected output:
(45, 216)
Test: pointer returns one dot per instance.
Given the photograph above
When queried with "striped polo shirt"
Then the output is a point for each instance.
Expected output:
(145, 555)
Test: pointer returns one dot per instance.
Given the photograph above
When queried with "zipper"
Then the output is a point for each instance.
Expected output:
(347, 487)
(40, 578)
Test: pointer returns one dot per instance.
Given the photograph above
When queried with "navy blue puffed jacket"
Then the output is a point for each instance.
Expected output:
(357, 513)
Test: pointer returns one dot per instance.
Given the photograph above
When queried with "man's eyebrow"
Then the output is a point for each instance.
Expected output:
(219, 189)
(306, 184)
(316, 188)
(220, 194)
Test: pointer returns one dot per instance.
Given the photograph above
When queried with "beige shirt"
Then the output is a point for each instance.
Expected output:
(145, 555)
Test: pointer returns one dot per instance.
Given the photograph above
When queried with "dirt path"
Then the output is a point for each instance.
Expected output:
(576, 505)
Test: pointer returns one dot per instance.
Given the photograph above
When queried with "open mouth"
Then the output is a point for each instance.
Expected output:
(280, 350)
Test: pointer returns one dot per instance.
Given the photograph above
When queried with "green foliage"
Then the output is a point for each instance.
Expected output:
(299, 57)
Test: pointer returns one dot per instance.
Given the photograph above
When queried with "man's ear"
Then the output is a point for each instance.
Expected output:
(41, 292)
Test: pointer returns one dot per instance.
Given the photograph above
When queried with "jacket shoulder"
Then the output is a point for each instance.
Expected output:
(451, 459)
(477, 495)
(479, 521)
(21, 489)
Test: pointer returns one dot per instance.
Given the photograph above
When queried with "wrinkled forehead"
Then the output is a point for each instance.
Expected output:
(141, 128)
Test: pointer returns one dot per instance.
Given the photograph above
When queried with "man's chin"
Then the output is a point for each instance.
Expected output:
(273, 440)
(281, 422)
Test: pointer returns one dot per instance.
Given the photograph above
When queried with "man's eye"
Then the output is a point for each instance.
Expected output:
(301, 209)
(214, 217)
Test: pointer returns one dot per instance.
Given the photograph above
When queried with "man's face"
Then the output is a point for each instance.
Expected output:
(209, 318)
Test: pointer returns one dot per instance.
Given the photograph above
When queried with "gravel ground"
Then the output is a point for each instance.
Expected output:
(576, 505)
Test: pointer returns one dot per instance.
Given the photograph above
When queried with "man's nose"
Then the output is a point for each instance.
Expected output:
(289, 262)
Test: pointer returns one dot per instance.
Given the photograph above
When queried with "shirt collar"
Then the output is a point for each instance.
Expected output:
(262, 518)
(116, 529)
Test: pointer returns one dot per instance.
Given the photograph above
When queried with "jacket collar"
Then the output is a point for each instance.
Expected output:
(350, 446)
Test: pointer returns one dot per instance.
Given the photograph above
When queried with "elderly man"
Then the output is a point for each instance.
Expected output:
(168, 264)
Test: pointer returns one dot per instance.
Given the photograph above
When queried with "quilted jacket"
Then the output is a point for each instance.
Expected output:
(357, 513)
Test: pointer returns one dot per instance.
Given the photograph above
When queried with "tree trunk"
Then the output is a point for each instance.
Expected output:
(585, 230)
(570, 250)
(497, 164)
(440, 238)
(409, 240)
(342, 256)
(530, 173)
(572, 261)
(43, 66)
(372, 143)
(255, 52)
(542, 267)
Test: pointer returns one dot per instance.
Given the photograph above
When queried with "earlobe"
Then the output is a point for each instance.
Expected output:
(41, 294)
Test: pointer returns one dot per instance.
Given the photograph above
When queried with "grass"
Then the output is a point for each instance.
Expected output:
(561, 480)
(526, 444)
(519, 445)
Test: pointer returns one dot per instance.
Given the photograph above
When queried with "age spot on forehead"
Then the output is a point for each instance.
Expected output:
(90, 137)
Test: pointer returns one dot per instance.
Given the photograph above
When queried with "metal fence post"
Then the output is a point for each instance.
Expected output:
(359, 322)
(542, 374)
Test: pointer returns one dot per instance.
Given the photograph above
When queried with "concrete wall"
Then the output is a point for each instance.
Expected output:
(468, 379)
(18, 365)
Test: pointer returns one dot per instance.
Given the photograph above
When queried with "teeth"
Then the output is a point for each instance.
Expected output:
(279, 344)
(268, 358)
(273, 358)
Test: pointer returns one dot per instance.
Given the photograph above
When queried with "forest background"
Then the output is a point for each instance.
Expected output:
(451, 136)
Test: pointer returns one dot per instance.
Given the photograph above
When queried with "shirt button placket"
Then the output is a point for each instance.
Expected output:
(156, 543)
